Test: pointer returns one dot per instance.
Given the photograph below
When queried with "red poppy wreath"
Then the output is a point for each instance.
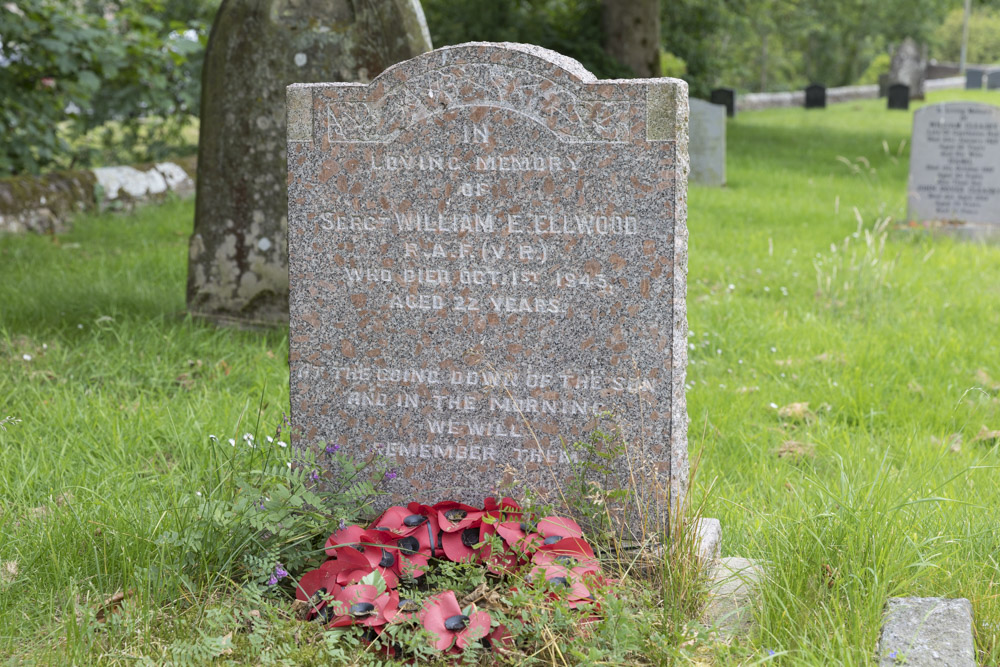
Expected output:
(358, 584)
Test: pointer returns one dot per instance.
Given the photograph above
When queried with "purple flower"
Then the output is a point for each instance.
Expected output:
(892, 656)
(391, 475)
(315, 475)
(272, 581)
(343, 525)
(280, 572)
(330, 449)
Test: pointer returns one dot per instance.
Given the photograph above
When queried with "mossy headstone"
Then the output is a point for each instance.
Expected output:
(238, 256)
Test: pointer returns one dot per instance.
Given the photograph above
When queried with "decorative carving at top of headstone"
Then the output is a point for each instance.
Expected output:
(488, 263)
(238, 262)
(955, 164)
(909, 67)
(708, 142)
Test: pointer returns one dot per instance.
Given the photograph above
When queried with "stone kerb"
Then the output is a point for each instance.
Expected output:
(954, 182)
(45, 203)
(487, 263)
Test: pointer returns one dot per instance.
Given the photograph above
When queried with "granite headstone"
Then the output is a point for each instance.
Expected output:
(899, 96)
(815, 96)
(955, 166)
(488, 263)
(238, 254)
(974, 78)
(909, 67)
(725, 97)
(993, 79)
(708, 143)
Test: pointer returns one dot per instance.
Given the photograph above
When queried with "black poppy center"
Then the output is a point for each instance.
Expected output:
(559, 581)
(552, 540)
(409, 605)
(408, 545)
(388, 559)
(360, 609)
(414, 520)
(527, 527)
(455, 515)
(456, 623)
(568, 561)
(470, 537)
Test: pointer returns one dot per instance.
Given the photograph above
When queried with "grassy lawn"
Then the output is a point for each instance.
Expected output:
(881, 486)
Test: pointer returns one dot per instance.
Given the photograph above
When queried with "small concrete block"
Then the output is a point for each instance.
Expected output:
(709, 534)
(926, 632)
(733, 595)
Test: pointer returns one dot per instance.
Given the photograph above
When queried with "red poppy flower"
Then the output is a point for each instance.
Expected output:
(572, 552)
(521, 536)
(443, 618)
(417, 533)
(453, 517)
(500, 639)
(552, 527)
(566, 583)
(316, 586)
(361, 604)
(350, 565)
(498, 559)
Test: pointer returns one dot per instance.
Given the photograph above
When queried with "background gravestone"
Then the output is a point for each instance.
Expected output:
(955, 167)
(909, 67)
(974, 78)
(899, 96)
(725, 97)
(488, 254)
(993, 80)
(815, 96)
(707, 146)
(238, 260)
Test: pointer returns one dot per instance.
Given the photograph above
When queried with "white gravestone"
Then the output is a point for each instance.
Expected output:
(955, 167)
(707, 145)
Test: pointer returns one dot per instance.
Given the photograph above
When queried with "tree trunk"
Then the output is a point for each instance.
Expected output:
(632, 34)
(763, 62)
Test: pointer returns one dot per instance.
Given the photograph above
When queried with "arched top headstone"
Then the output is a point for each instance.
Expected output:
(238, 266)
(488, 263)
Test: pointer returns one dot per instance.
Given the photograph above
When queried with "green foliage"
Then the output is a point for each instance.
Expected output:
(671, 65)
(570, 27)
(265, 509)
(984, 26)
(66, 72)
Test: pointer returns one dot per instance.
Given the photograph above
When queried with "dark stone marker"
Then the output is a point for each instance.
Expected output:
(993, 80)
(974, 78)
(725, 97)
(815, 96)
(238, 256)
(488, 254)
(899, 96)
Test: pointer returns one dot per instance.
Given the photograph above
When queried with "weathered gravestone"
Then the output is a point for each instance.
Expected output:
(708, 142)
(909, 67)
(238, 259)
(955, 167)
(488, 255)
(993, 79)
(974, 78)
(899, 96)
(727, 98)
(815, 96)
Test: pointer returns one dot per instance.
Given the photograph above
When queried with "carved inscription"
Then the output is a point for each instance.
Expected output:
(955, 163)
(483, 272)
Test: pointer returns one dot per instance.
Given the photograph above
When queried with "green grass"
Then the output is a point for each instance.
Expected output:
(122, 390)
